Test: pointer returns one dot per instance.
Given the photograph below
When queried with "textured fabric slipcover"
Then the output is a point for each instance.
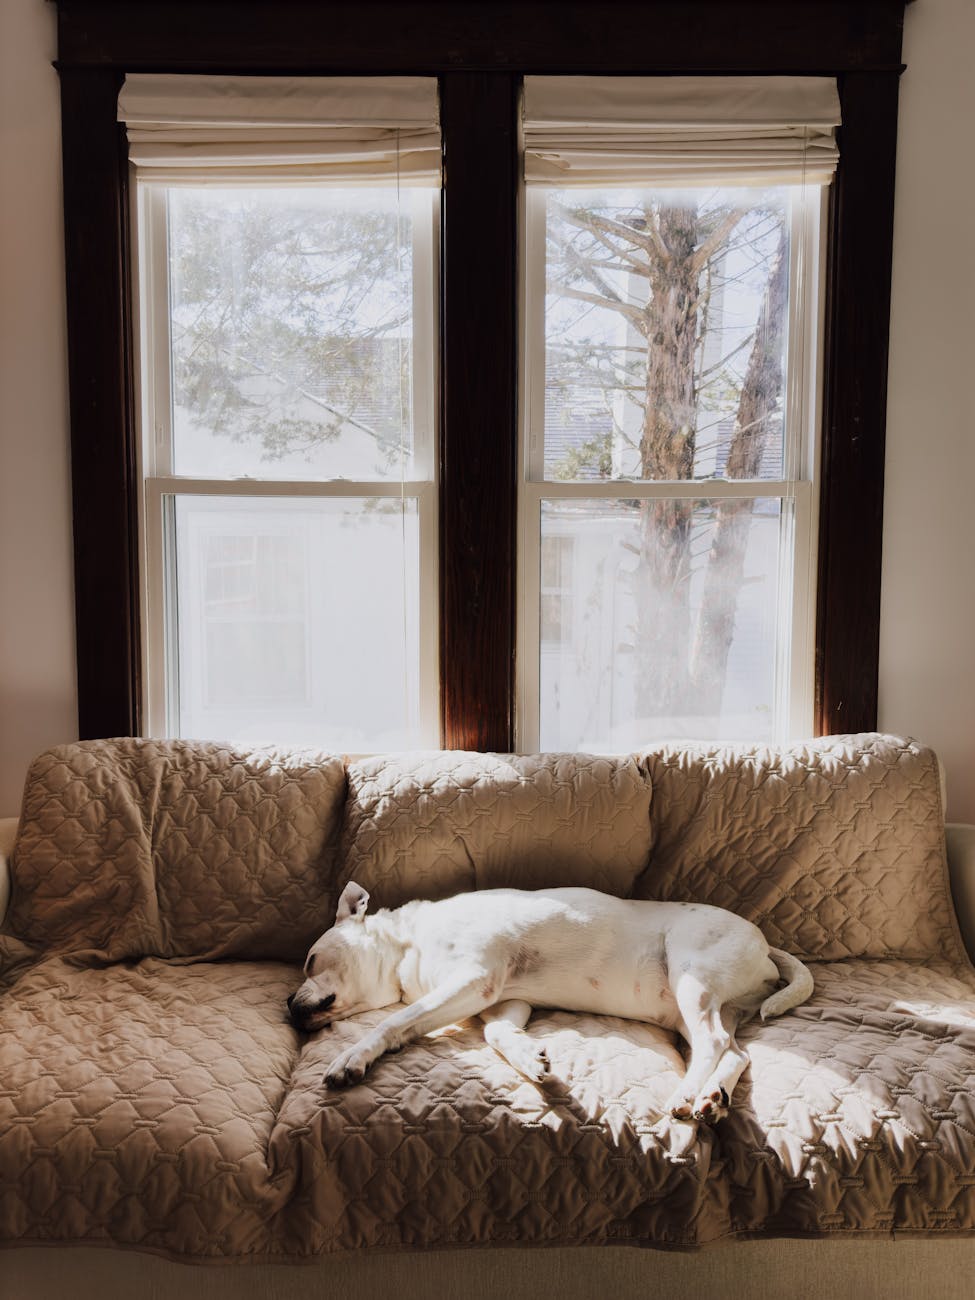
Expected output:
(172, 1108)
(169, 1105)
(435, 824)
(834, 847)
(129, 848)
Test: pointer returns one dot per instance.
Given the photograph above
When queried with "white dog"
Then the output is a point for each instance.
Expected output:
(499, 952)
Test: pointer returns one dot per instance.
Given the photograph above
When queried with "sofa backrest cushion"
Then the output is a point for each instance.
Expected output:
(182, 849)
(835, 848)
(428, 825)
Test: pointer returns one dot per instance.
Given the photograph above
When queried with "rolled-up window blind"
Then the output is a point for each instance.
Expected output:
(348, 129)
(672, 131)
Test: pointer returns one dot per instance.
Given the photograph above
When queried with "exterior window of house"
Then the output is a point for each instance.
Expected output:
(287, 308)
(671, 343)
(555, 593)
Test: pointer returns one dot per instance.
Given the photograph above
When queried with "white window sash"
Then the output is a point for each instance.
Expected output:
(160, 637)
(157, 530)
(798, 492)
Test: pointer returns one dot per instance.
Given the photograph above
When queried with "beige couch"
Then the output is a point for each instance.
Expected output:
(153, 1098)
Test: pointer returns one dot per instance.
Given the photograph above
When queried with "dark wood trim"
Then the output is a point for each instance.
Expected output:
(478, 47)
(103, 461)
(855, 406)
(615, 36)
(478, 442)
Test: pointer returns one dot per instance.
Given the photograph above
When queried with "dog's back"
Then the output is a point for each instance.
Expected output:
(582, 950)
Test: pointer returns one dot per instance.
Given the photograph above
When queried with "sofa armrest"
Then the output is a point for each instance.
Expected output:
(961, 871)
(8, 832)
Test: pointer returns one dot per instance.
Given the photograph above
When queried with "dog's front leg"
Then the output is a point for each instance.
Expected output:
(454, 1000)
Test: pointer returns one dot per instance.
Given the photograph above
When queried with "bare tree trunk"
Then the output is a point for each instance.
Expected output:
(667, 452)
(759, 398)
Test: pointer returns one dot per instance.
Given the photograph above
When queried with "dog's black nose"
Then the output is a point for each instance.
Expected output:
(301, 1012)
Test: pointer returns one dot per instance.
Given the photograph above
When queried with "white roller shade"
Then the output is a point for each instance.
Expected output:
(353, 129)
(680, 130)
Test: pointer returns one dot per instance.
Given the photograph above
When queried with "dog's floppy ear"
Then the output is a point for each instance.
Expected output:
(353, 902)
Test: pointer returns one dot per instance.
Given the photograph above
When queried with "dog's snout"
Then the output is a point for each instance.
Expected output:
(300, 1013)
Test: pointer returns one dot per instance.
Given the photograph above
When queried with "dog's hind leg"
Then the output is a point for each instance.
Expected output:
(715, 1093)
(504, 1030)
(714, 1054)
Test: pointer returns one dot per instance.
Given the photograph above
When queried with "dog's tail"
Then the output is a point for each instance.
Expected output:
(798, 988)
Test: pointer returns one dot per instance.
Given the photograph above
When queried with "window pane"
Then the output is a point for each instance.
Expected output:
(298, 620)
(667, 624)
(665, 333)
(292, 325)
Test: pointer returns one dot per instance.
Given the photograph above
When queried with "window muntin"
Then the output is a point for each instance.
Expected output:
(290, 502)
(669, 428)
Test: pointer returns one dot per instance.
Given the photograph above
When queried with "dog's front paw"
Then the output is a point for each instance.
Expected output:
(348, 1068)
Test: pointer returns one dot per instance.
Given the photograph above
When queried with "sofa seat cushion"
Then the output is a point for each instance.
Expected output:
(171, 1108)
(137, 1104)
(857, 1114)
(445, 1144)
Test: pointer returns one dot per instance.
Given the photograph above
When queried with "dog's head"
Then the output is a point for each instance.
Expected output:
(344, 970)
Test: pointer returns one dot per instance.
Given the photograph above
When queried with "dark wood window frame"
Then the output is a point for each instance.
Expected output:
(479, 49)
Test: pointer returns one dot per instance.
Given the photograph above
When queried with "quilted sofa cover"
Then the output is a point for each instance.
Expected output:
(155, 1097)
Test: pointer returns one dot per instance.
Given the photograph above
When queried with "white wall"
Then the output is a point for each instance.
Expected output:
(927, 633)
(928, 623)
(37, 659)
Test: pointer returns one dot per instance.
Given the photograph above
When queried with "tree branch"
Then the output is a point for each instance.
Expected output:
(716, 238)
(634, 314)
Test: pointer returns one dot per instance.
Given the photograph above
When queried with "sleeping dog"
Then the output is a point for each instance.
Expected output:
(498, 953)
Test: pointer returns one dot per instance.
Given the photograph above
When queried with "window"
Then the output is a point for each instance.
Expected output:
(672, 293)
(479, 80)
(288, 447)
(671, 334)
(670, 415)
(683, 481)
(555, 591)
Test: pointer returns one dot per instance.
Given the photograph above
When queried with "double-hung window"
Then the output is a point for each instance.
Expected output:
(287, 251)
(672, 294)
(670, 331)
